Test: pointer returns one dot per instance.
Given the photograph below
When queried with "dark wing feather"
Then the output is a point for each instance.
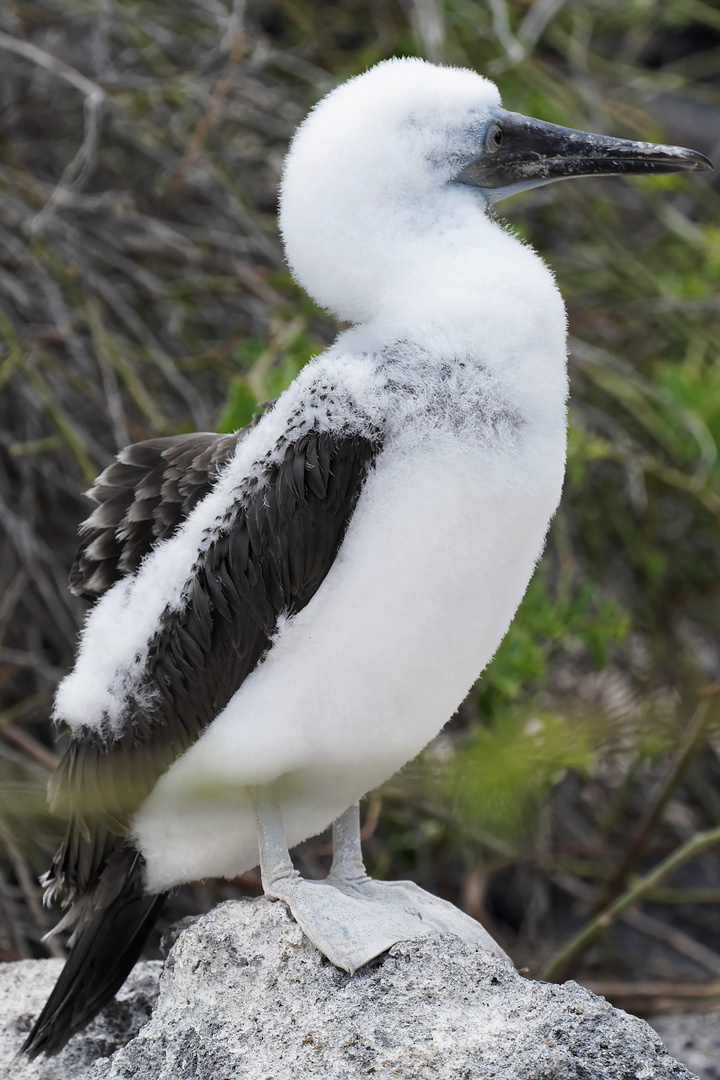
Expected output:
(102, 957)
(279, 545)
(143, 497)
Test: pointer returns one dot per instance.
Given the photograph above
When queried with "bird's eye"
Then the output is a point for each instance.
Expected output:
(494, 138)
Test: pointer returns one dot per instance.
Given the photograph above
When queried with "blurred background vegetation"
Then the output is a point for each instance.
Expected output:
(143, 292)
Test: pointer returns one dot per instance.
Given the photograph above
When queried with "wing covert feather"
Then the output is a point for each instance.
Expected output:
(143, 496)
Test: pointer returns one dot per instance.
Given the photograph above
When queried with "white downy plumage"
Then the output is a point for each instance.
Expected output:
(457, 353)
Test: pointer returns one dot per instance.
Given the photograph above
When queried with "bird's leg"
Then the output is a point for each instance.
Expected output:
(276, 868)
(334, 921)
(387, 908)
(349, 917)
(347, 865)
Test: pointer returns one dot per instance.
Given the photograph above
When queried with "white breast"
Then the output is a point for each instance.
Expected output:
(437, 557)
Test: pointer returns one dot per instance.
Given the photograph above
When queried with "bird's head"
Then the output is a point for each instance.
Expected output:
(402, 152)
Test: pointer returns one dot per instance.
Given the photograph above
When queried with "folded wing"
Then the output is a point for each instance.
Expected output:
(280, 539)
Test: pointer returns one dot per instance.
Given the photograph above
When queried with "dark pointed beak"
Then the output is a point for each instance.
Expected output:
(521, 153)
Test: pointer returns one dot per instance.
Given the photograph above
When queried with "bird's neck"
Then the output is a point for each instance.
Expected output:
(472, 291)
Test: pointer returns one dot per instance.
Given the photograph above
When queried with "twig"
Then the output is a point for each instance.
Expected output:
(255, 283)
(677, 939)
(12, 596)
(647, 924)
(657, 807)
(372, 817)
(14, 922)
(9, 716)
(577, 944)
(34, 554)
(598, 448)
(657, 997)
(30, 891)
(538, 17)
(514, 50)
(64, 424)
(21, 658)
(684, 896)
(280, 337)
(210, 118)
(147, 339)
(233, 42)
(78, 171)
(108, 375)
(23, 740)
(427, 20)
(50, 63)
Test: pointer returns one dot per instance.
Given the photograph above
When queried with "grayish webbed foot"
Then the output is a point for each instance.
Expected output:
(349, 917)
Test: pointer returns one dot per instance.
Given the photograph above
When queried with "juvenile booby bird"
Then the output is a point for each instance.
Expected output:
(287, 615)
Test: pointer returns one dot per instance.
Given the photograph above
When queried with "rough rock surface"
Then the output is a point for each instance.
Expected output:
(24, 988)
(695, 1039)
(244, 995)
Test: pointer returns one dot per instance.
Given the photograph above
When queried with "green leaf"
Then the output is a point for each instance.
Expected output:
(239, 407)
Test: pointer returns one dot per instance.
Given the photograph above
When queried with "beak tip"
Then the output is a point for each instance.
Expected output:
(680, 159)
(697, 162)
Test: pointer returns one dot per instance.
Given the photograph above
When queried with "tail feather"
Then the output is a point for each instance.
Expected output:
(106, 946)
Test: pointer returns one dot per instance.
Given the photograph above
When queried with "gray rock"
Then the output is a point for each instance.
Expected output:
(24, 988)
(695, 1039)
(244, 995)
